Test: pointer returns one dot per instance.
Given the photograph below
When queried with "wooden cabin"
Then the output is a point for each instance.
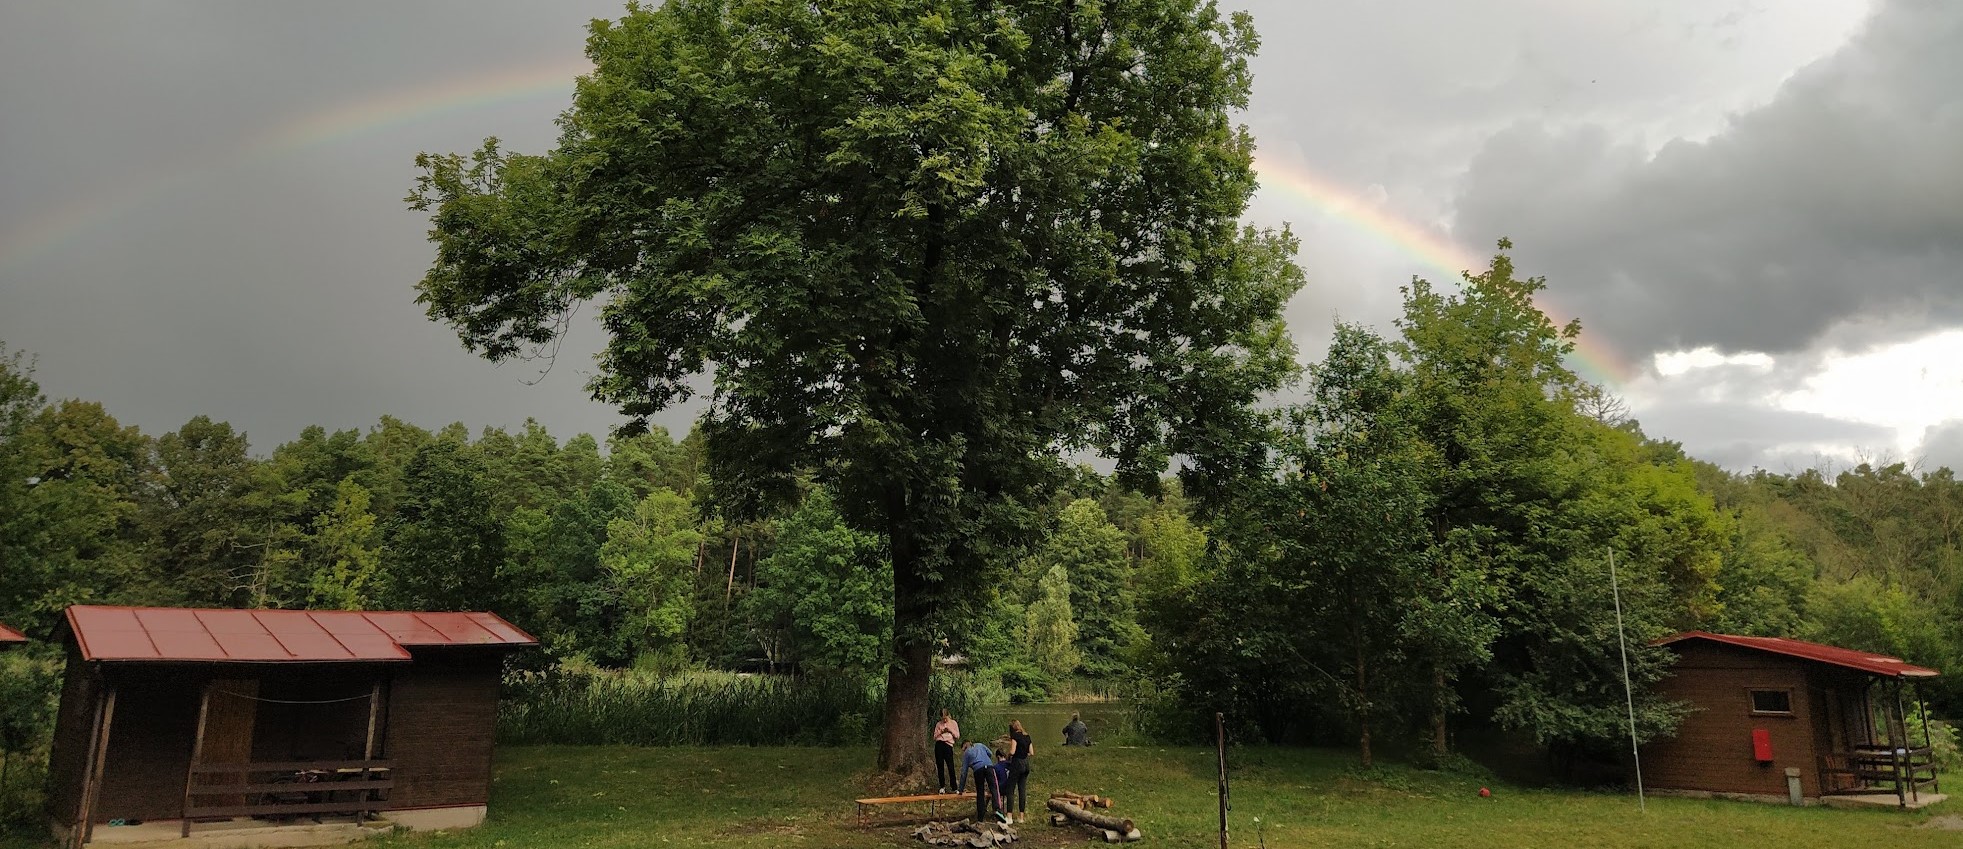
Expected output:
(198, 720)
(1790, 720)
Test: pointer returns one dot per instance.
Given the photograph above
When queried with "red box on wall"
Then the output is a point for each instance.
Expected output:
(1762, 745)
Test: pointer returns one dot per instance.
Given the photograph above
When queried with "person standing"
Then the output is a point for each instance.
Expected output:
(1015, 796)
(979, 760)
(947, 735)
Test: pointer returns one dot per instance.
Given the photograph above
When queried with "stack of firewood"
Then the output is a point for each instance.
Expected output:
(1076, 807)
(966, 833)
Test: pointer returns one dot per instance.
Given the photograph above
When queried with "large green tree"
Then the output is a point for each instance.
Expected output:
(1092, 553)
(827, 589)
(444, 546)
(647, 557)
(1354, 552)
(923, 247)
(215, 518)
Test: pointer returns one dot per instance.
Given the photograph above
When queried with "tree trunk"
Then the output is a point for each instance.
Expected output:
(1362, 706)
(903, 744)
(1439, 747)
(903, 751)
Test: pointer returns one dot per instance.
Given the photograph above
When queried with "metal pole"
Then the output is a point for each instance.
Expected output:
(1628, 691)
(1220, 748)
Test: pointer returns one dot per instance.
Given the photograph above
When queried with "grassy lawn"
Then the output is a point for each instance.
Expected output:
(564, 797)
(549, 797)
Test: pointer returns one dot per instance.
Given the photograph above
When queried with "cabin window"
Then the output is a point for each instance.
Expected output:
(1776, 702)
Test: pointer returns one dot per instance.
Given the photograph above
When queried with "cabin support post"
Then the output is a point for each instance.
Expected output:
(1905, 773)
(75, 837)
(368, 748)
(197, 754)
(1922, 710)
(98, 754)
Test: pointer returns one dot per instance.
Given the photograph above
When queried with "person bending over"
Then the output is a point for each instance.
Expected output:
(979, 760)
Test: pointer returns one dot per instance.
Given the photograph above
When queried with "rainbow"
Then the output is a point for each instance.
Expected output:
(339, 122)
(1437, 258)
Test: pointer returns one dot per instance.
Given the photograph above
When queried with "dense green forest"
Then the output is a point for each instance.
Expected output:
(1423, 548)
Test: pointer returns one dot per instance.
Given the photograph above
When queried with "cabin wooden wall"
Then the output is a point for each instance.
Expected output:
(329, 721)
(1712, 750)
(438, 721)
(74, 720)
(442, 720)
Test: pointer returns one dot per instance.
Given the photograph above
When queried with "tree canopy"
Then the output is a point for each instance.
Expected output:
(919, 249)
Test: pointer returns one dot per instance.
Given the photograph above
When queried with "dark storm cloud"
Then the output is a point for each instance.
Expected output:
(157, 257)
(1842, 198)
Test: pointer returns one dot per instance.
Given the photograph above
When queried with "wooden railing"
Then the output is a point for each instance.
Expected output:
(315, 788)
(1902, 771)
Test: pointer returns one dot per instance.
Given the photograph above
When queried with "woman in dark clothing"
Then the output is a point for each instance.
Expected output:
(1015, 794)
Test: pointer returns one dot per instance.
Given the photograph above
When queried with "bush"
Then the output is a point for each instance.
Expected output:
(581, 705)
(1024, 682)
(28, 690)
(1942, 740)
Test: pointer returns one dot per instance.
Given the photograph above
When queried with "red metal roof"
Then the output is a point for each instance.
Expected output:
(1869, 662)
(276, 636)
(9, 635)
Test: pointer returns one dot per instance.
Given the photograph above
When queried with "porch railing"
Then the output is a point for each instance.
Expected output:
(1902, 771)
(315, 788)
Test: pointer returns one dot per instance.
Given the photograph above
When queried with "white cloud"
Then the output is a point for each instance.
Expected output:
(1673, 363)
(1908, 387)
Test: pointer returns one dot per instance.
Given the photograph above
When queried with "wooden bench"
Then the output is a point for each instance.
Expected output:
(933, 801)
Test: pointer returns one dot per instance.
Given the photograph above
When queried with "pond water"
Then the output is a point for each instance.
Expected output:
(1045, 720)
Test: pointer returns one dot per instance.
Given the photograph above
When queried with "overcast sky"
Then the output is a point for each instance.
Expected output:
(1756, 209)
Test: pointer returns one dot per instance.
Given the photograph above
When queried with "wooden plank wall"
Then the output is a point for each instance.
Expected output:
(150, 743)
(1712, 750)
(442, 718)
(68, 759)
(439, 719)
(325, 725)
(228, 729)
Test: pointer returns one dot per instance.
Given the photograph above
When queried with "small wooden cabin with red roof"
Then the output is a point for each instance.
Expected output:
(1764, 707)
(212, 717)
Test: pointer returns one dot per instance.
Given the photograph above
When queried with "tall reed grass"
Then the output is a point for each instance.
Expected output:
(605, 707)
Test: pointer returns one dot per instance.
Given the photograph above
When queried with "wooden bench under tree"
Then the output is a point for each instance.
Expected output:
(933, 801)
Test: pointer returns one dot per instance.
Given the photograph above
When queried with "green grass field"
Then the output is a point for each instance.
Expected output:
(548, 798)
(600, 797)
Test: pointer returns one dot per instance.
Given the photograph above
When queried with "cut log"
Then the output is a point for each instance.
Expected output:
(1059, 820)
(1118, 824)
(1084, 800)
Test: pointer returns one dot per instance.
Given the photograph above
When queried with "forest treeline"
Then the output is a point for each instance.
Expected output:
(1421, 546)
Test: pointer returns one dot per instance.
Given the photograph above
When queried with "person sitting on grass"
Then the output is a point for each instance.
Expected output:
(979, 760)
(1076, 733)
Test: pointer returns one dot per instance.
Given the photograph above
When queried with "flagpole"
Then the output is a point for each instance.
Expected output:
(1628, 691)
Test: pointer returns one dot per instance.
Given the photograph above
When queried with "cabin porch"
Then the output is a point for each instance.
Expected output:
(1870, 757)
